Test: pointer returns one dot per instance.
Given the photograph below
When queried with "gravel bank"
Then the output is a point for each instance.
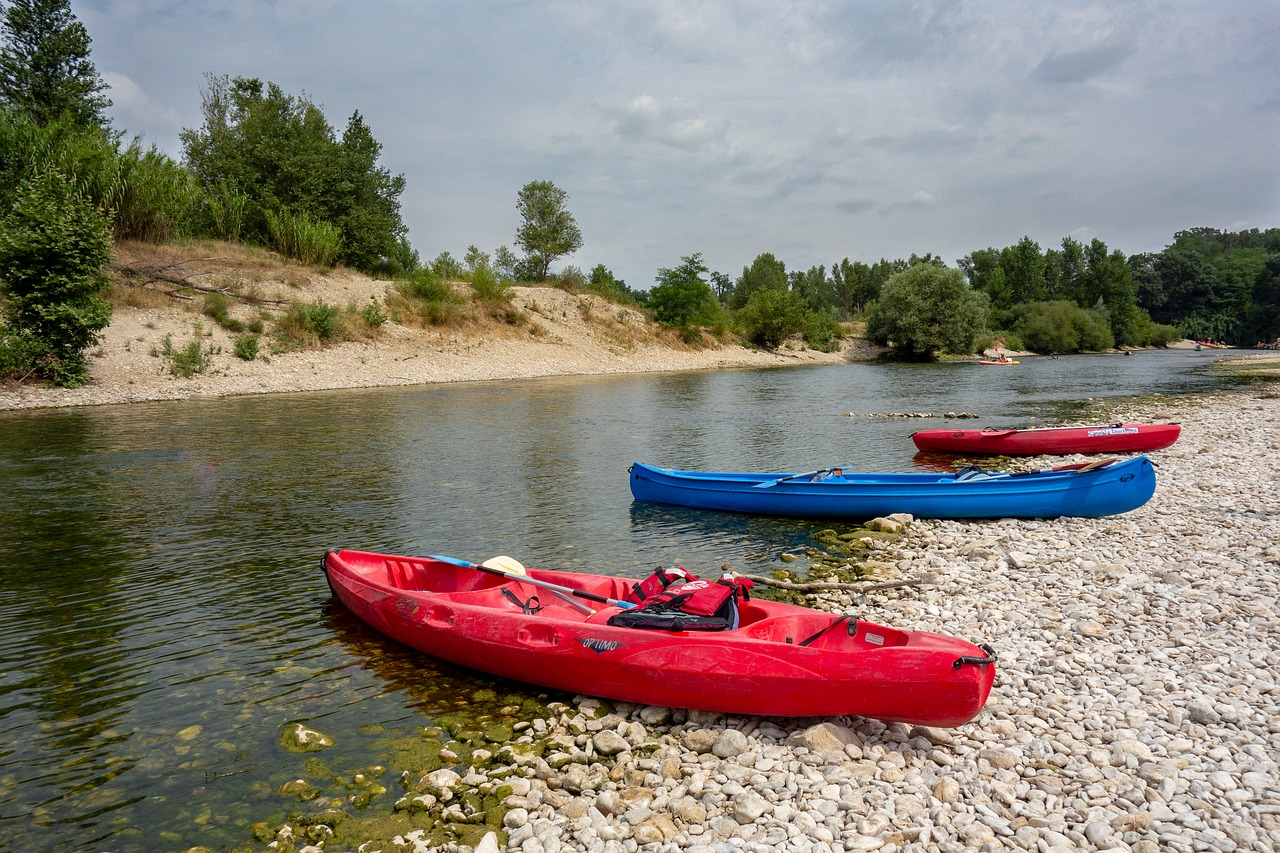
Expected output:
(1136, 706)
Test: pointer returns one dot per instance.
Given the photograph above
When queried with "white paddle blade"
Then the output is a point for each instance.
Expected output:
(510, 565)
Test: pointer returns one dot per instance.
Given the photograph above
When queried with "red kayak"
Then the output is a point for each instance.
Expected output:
(534, 626)
(1107, 438)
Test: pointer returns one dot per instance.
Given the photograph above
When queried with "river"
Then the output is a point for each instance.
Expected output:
(162, 610)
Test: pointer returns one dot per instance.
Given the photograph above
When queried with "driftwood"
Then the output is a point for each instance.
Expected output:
(822, 586)
(165, 274)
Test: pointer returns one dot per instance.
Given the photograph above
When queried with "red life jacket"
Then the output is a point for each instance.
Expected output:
(694, 605)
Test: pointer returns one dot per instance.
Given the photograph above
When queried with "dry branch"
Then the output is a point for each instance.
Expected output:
(149, 275)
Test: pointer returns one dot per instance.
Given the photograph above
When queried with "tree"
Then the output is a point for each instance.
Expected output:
(53, 245)
(1023, 266)
(926, 309)
(45, 69)
(548, 230)
(682, 297)
(814, 289)
(770, 315)
(765, 273)
(282, 156)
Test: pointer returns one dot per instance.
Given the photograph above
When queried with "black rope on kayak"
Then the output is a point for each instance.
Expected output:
(531, 606)
(852, 628)
(990, 658)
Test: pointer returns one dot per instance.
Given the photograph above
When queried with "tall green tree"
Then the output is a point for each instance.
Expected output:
(53, 245)
(814, 289)
(683, 297)
(282, 157)
(765, 273)
(1023, 266)
(45, 70)
(927, 309)
(547, 229)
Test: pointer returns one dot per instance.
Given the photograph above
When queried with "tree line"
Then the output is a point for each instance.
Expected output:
(267, 168)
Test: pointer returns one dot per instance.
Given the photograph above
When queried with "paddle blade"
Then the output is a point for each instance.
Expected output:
(510, 565)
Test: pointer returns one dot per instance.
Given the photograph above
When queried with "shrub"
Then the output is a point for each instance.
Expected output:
(20, 355)
(372, 315)
(822, 331)
(489, 288)
(53, 245)
(246, 347)
(188, 361)
(308, 325)
(1061, 326)
(321, 320)
(424, 297)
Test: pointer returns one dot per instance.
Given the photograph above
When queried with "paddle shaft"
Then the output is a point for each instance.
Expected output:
(768, 484)
(554, 587)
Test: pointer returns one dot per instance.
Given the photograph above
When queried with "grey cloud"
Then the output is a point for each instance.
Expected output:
(1077, 66)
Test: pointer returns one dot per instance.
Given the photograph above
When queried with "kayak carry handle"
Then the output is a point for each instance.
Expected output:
(990, 658)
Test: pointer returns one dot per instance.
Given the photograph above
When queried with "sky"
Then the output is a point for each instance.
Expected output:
(815, 131)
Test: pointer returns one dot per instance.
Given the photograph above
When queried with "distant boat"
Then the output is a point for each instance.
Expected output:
(998, 361)
(1105, 438)
(1087, 490)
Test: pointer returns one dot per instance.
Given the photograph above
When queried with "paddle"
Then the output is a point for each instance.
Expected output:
(769, 484)
(500, 566)
(1074, 468)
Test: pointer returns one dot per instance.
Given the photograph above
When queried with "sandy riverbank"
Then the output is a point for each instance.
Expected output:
(558, 333)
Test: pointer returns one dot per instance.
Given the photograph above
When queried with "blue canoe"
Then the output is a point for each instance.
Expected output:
(1088, 490)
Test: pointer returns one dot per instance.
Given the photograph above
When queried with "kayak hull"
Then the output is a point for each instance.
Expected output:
(1105, 438)
(461, 615)
(1108, 489)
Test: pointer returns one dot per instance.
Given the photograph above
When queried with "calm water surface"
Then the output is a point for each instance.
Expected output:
(162, 609)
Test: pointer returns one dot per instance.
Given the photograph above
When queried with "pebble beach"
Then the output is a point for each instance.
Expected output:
(1136, 705)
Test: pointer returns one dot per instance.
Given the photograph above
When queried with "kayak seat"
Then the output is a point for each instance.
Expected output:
(796, 629)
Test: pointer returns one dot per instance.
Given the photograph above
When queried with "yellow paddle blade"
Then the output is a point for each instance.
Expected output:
(510, 565)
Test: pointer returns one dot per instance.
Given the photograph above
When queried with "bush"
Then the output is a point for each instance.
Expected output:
(321, 319)
(188, 361)
(769, 316)
(246, 347)
(372, 315)
(822, 331)
(425, 298)
(1062, 326)
(308, 325)
(53, 245)
(489, 288)
(20, 355)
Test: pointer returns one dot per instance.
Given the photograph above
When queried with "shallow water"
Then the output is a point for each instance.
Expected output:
(162, 609)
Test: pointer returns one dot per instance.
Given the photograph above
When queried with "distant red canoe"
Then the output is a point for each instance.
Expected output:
(781, 660)
(1107, 438)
